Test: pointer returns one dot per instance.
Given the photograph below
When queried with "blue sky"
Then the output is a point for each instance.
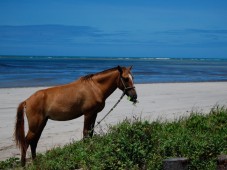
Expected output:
(122, 28)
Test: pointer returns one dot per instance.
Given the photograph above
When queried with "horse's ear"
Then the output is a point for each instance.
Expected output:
(120, 69)
(130, 68)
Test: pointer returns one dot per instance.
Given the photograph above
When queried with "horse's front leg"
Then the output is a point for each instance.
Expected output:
(89, 122)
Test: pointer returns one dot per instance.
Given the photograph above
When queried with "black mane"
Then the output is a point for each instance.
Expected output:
(89, 76)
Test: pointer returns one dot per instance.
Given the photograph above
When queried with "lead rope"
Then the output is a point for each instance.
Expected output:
(125, 89)
(98, 122)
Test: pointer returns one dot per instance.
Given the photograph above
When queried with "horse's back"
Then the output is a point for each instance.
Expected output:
(63, 102)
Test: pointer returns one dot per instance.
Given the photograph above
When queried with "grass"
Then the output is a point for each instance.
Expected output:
(142, 145)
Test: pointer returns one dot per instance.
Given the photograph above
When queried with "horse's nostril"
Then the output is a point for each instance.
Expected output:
(135, 96)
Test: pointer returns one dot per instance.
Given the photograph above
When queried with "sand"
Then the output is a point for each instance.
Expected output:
(167, 101)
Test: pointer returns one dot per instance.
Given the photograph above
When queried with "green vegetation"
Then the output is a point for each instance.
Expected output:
(142, 145)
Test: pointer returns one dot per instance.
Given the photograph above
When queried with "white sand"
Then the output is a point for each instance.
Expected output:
(156, 101)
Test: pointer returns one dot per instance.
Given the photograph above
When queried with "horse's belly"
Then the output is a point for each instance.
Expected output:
(66, 110)
(64, 114)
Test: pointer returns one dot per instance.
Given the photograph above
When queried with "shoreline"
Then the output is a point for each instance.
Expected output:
(162, 101)
(145, 83)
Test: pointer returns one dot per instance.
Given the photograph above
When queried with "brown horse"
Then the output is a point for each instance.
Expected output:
(86, 96)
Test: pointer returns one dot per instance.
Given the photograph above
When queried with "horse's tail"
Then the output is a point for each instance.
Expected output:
(19, 126)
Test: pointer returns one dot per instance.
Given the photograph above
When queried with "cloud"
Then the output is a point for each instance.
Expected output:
(59, 35)
(64, 34)
(52, 34)
(66, 39)
(192, 37)
(193, 31)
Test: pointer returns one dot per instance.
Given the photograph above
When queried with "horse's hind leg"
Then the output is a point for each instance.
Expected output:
(29, 137)
(35, 139)
(23, 154)
(36, 127)
(24, 149)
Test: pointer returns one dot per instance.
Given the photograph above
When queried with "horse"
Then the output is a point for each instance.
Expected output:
(85, 96)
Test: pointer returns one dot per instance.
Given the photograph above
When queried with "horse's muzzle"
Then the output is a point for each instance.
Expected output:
(131, 93)
(133, 98)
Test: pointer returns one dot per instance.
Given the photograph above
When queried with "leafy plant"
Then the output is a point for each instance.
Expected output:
(136, 144)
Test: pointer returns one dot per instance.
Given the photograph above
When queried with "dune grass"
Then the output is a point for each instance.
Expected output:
(136, 144)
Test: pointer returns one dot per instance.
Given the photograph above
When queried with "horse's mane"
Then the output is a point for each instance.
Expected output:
(89, 76)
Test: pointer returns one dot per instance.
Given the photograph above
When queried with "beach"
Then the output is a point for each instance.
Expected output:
(157, 101)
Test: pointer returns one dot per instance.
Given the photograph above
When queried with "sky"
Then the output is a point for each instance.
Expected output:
(117, 28)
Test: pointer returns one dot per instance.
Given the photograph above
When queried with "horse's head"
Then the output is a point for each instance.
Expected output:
(125, 83)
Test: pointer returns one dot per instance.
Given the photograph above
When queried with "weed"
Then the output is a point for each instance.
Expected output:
(137, 144)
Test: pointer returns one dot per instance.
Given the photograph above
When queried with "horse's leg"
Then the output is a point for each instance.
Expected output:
(23, 155)
(36, 125)
(24, 149)
(34, 141)
(89, 122)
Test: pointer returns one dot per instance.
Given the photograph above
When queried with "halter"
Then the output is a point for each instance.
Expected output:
(126, 88)
(124, 92)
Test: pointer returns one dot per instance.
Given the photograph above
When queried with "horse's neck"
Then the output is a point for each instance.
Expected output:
(107, 83)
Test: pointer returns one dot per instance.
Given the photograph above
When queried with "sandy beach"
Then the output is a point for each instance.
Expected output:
(165, 101)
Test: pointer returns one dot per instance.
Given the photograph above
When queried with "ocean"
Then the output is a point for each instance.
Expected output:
(32, 71)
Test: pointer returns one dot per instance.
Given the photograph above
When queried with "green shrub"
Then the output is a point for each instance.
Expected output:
(135, 144)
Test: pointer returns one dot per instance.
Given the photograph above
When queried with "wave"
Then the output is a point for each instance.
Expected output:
(107, 58)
